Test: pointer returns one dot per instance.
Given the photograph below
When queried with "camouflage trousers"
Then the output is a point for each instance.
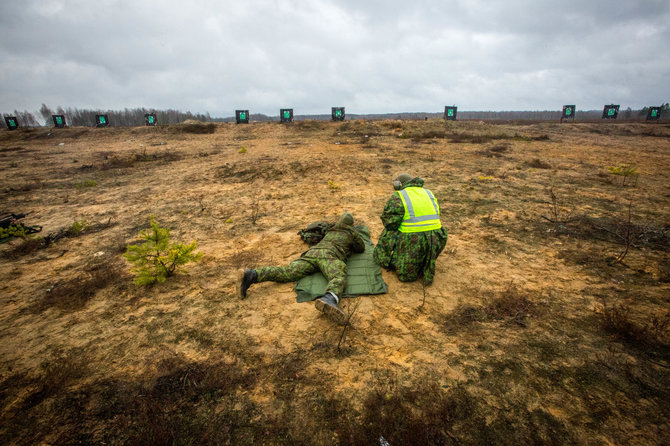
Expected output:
(411, 255)
(334, 270)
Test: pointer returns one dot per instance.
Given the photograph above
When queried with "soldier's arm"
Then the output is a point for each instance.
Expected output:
(357, 244)
(393, 213)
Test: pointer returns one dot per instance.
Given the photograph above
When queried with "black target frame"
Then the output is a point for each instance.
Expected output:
(450, 112)
(337, 113)
(150, 119)
(59, 121)
(11, 122)
(611, 111)
(654, 114)
(101, 120)
(242, 116)
(286, 115)
(568, 112)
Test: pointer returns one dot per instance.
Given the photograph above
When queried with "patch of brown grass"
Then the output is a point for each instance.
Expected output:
(25, 247)
(428, 134)
(124, 162)
(192, 126)
(246, 259)
(537, 163)
(476, 138)
(74, 294)
(510, 305)
(617, 321)
(310, 125)
(496, 151)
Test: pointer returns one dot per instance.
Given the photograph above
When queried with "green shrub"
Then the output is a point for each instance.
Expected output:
(13, 231)
(333, 185)
(157, 258)
(624, 170)
(86, 183)
(77, 226)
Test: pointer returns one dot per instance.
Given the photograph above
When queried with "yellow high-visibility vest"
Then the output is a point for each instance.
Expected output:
(422, 213)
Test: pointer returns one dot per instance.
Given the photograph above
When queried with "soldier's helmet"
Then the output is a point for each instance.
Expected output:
(401, 180)
(345, 219)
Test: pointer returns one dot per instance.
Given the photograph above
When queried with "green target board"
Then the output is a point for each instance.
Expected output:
(242, 116)
(654, 113)
(59, 121)
(337, 113)
(11, 122)
(610, 111)
(150, 119)
(568, 112)
(450, 112)
(101, 121)
(286, 115)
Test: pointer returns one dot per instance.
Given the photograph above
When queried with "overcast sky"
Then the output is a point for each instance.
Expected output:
(371, 56)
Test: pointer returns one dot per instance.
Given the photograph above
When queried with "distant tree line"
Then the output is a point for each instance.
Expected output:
(86, 117)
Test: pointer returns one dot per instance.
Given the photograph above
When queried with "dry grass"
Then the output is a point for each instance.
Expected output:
(537, 163)
(522, 360)
(195, 127)
(654, 333)
(74, 294)
(510, 305)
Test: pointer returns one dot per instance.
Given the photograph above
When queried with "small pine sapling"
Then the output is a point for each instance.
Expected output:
(157, 258)
(13, 231)
(625, 171)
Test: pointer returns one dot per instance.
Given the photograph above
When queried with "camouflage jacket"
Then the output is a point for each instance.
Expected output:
(337, 244)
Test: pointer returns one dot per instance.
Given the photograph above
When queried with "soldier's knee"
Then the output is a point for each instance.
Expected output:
(407, 277)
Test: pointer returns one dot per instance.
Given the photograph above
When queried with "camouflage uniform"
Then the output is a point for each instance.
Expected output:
(410, 254)
(328, 256)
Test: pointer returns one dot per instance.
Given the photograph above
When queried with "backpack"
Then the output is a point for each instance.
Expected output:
(314, 232)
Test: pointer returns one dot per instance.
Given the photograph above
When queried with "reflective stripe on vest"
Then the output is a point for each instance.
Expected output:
(422, 212)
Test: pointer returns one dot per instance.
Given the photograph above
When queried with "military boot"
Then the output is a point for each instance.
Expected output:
(327, 304)
(245, 278)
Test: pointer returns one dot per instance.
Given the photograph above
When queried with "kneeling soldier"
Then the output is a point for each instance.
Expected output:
(413, 236)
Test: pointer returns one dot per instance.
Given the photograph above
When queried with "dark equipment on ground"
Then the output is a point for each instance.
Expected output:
(337, 113)
(11, 227)
(314, 232)
(242, 116)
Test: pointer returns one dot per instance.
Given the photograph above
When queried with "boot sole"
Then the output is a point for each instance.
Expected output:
(240, 280)
(334, 314)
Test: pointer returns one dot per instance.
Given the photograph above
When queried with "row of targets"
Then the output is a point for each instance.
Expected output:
(610, 111)
(59, 121)
(286, 115)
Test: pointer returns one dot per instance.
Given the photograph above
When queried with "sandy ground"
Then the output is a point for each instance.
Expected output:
(244, 208)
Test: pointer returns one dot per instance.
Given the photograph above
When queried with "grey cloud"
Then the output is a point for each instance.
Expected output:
(373, 56)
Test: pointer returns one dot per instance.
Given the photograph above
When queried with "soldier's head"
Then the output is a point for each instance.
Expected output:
(345, 220)
(401, 181)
